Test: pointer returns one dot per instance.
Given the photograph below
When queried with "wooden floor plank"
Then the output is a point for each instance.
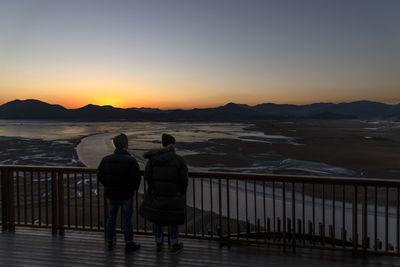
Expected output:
(28, 247)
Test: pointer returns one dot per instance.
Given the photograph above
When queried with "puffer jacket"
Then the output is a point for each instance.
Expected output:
(120, 175)
(166, 175)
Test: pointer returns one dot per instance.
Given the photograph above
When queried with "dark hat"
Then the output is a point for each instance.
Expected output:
(167, 139)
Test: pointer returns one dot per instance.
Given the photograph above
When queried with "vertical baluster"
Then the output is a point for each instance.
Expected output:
(105, 212)
(354, 220)
(344, 215)
(90, 202)
(303, 212)
(294, 216)
(25, 201)
(322, 234)
(76, 199)
(397, 220)
(228, 219)
(220, 208)
(387, 220)
(54, 203)
(255, 208)
(237, 208)
(60, 186)
(47, 198)
(333, 215)
(32, 200)
(145, 221)
(376, 218)
(98, 203)
(11, 200)
(313, 211)
(273, 209)
(247, 212)
(18, 197)
(83, 200)
(68, 202)
(202, 207)
(194, 207)
(211, 209)
(284, 214)
(364, 219)
(264, 213)
(137, 209)
(39, 199)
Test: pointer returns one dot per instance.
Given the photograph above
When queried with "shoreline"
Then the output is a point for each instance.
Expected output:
(255, 156)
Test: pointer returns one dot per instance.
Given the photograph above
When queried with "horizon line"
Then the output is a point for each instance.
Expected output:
(177, 108)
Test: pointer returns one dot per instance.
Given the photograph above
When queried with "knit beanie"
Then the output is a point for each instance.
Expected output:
(167, 139)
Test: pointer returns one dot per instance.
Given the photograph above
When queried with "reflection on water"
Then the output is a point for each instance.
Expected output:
(140, 131)
(48, 130)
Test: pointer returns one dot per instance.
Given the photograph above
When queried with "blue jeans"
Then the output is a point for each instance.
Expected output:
(174, 232)
(113, 206)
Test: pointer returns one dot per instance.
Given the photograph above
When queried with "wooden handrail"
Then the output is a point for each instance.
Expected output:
(234, 176)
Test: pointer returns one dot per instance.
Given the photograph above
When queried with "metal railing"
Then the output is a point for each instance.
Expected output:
(356, 214)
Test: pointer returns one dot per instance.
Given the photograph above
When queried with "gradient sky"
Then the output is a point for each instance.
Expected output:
(199, 53)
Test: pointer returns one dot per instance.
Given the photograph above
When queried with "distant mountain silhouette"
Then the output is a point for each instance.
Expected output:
(104, 113)
(35, 109)
(31, 109)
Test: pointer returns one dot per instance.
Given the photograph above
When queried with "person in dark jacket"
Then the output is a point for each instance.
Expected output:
(166, 175)
(120, 175)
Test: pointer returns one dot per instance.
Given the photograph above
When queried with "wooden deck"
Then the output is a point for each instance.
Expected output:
(30, 247)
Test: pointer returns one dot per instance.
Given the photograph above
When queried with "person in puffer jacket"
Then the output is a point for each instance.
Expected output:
(166, 175)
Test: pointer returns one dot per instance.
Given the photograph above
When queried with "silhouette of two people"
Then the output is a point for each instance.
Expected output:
(164, 202)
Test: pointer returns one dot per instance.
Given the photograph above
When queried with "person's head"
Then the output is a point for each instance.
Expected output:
(167, 139)
(120, 141)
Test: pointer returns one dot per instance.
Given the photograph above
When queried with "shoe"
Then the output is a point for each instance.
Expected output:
(110, 245)
(129, 247)
(177, 248)
(159, 247)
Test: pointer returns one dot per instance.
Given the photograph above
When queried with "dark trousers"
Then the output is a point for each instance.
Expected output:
(127, 210)
(174, 233)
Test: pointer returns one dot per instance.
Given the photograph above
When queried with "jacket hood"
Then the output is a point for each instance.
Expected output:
(159, 151)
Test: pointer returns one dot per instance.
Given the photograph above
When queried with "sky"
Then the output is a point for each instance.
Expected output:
(191, 53)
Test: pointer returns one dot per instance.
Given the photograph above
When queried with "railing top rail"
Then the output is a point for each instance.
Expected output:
(234, 176)
(296, 178)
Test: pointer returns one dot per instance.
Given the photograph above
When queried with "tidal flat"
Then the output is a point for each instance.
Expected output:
(306, 147)
(369, 147)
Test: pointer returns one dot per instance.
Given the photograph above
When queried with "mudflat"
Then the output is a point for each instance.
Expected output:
(365, 149)
(369, 147)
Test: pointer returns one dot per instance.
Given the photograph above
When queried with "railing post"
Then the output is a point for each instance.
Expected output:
(220, 210)
(364, 220)
(60, 183)
(54, 201)
(354, 221)
(11, 206)
(4, 198)
(105, 214)
(7, 199)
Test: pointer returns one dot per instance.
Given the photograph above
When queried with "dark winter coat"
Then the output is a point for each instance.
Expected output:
(166, 175)
(120, 175)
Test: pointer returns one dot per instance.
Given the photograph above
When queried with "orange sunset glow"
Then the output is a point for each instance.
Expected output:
(147, 55)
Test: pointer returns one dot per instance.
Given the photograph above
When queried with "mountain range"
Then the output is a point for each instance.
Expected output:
(365, 110)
